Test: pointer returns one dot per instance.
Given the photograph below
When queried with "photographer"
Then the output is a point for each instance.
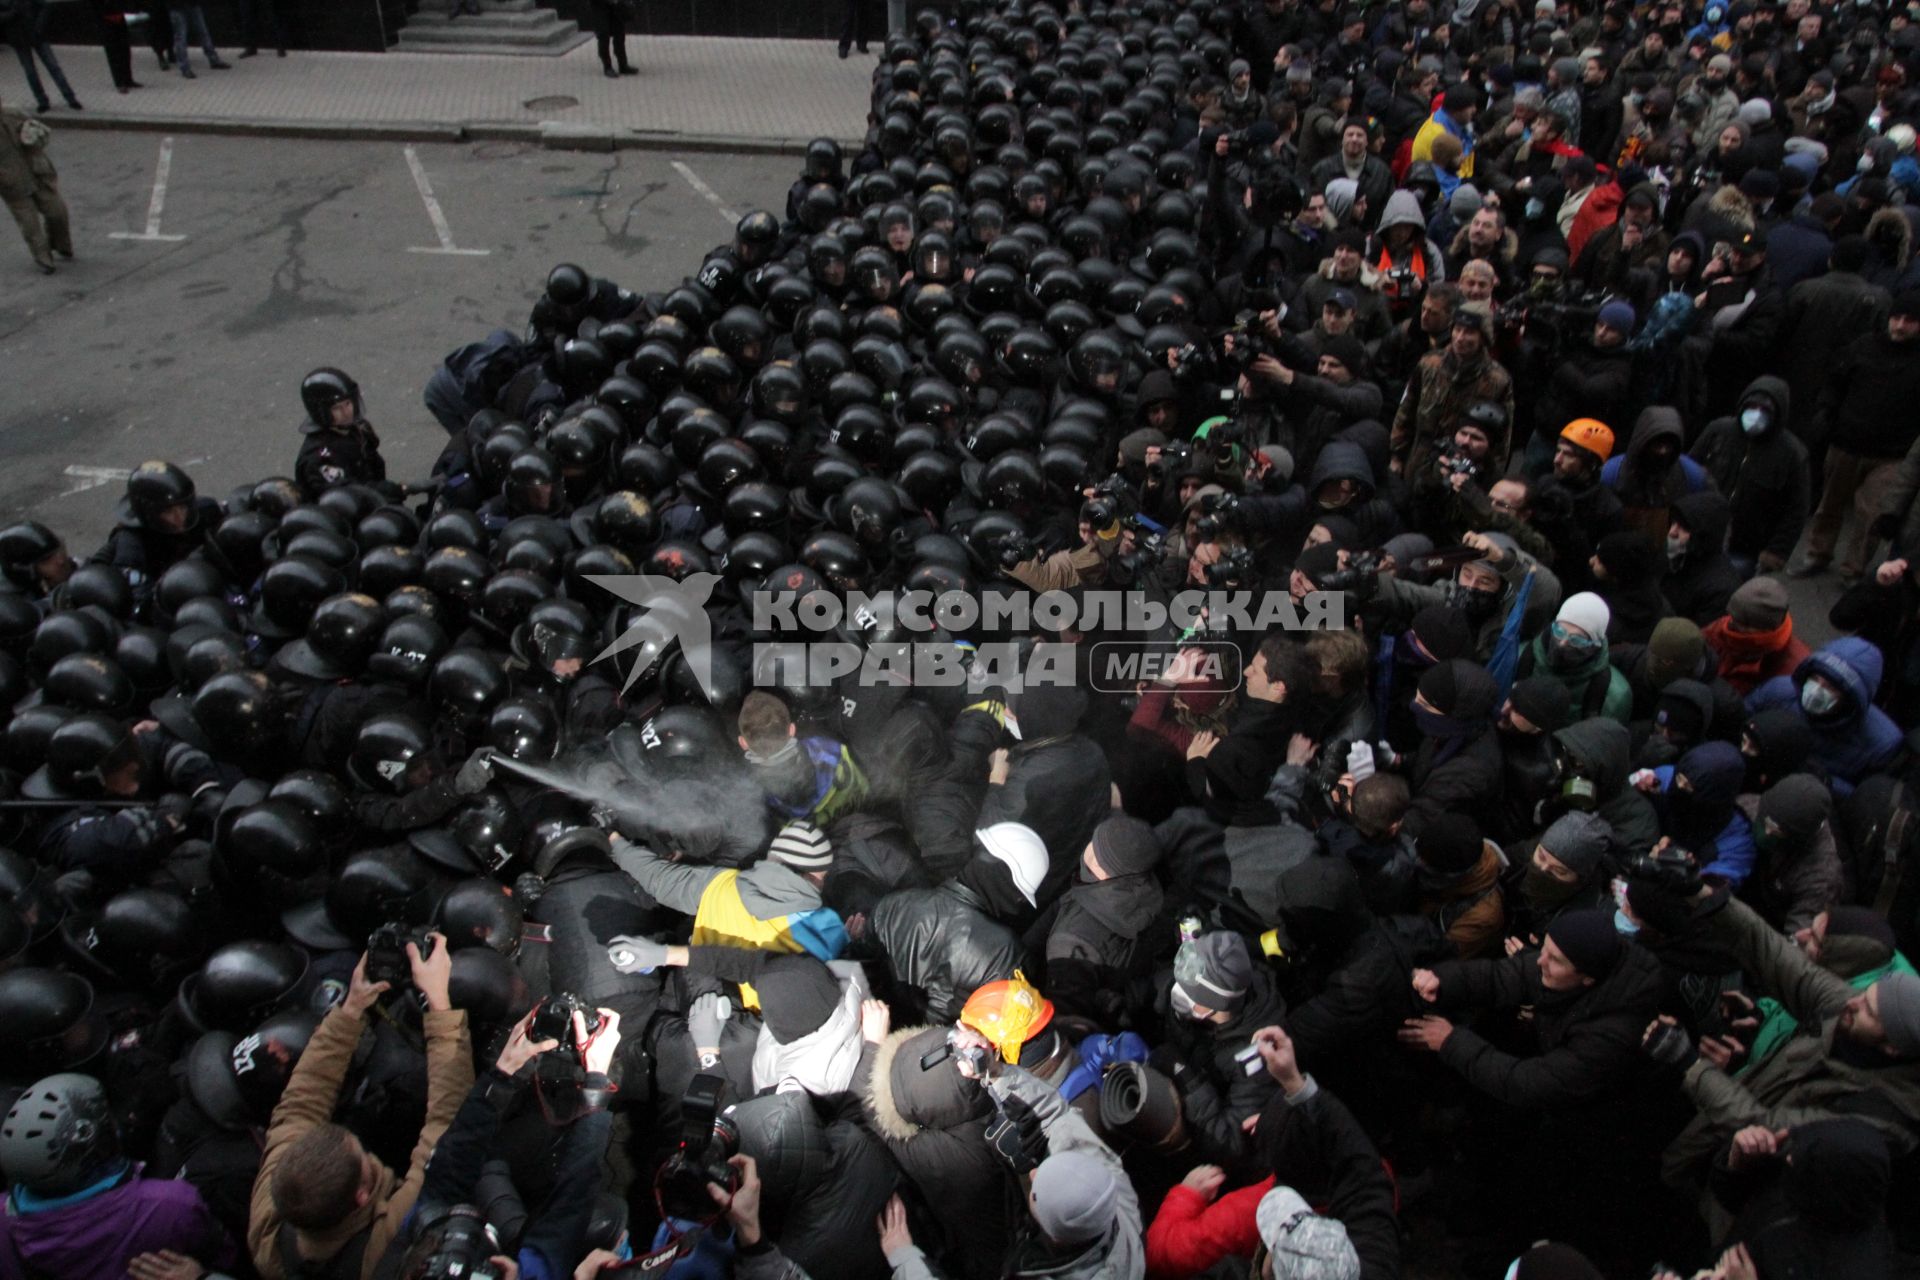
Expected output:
(320, 1196)
(552, 1244)
(1335, 397)
(1346, 268)
(1465, 464)
(1445, 385)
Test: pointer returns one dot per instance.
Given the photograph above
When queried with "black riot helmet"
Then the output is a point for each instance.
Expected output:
(83, 751)
(744, 334)
(489, 828)
(823, 160)
(318, 794)
(725, 463)
(376, 886)
(324, 388)
(787, 297)
(386, 749)
(713, 375)
(28, 889)
(524, 727)
(23, 546)
(236, 710)
(780, 391)
(455, 527)
(930, 478)
(51, 1024)
(509, 597)
(869, 510)
(752, 555)
(627, 521)
(290, 591)
(242, 983)
(533, 483)
(568, 286)
(407, 650)
(1012, 481)
(465, 685)
(141, 652)
(277, 834)
(755, 236)
(480, 913)
(154, 487)
(143, 937)
(386, 569)
(238, 546)
(645, 469)
(90, 682)
(59, 1137)
(1099, 363)
(263, 1060)
(490, 987)
(754, 504)
(633, 400)
(62, 634)
(836, 557)
(581, 365)
(1030, 356)
(340, 638)
(961, 357)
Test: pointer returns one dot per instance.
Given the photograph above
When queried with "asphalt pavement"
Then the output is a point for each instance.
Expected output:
(292, 255)
(692, 93)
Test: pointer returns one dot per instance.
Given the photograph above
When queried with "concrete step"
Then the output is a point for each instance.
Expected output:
(529, 20)
(549, 36)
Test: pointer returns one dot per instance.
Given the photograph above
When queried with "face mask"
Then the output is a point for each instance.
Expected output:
(1477, 605)
(1535, 209)
(1623, 926)
(1755, 421)
(1863, 164)
(1542, 891)
(1435, 725)
(1676, 551)
(1816, 699)
(1183, 1005)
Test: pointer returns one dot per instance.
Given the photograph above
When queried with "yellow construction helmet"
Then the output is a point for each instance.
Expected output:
(1008, 1013)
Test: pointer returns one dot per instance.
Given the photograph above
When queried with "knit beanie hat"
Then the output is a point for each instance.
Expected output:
(1304, 1245)
(1542, 702)
(1681, 709)
(1348, 350)
(1023, 852)
(1125, 846)
(797, 996)
(1442, 631)
(1134, 445)
(1460, 689)
(802, 846)
(1586, 611)
(1048, 711)
(1754, 112)
(1073, 1195)
(1449, 843)
(1674, 650)
(1900, 1012)
(1215, 970)
(1799, 803)
(1588, 940)
(1580, 840)
(1619, 315)
(1760, 604)
(1465, 202)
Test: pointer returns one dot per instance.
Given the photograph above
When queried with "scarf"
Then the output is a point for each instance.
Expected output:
(1744, 654)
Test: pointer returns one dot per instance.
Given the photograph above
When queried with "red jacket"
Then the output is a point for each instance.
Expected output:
(1189, 1235)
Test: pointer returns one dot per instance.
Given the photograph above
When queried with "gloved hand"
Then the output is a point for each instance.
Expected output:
(1360, 761)
(1667, 1042)
(175, 808)
(1014, 549)
(705, 1020)
(1017, 1136)
(475, 773)
(636, 955)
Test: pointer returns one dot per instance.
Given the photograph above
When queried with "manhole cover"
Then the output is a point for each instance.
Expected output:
(558, 102)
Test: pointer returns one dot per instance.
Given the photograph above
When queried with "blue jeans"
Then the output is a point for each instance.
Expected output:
(26, 50)
(181, 14)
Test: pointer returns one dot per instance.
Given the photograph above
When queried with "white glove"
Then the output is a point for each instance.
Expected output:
(1360, 761)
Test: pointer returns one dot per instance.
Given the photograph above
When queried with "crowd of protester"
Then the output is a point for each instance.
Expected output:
(396, 885)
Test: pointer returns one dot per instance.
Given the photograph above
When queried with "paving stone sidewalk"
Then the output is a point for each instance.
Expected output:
(692, 93)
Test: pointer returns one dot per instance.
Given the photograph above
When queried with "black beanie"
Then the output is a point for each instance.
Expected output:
(1681, 714)
(1317, 562)
(1542, 702)
(1443, 632)
(1125, 846)
(1588, 940)
(797, 995)
(1460, 689)
(1449, 843)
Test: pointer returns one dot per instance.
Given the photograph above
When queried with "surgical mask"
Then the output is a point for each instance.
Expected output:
(1183, 1004)
(1816, 699)
(1535, 208)
(1863, 164)
(1676, 551)
(1755, 420)
(1623, 926)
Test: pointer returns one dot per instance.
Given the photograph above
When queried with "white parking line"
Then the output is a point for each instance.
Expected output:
(93, 477)
(439, 219)
(713, 197)
(158, 202)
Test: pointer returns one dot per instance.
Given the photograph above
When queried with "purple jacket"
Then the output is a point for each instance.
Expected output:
(92, 1239)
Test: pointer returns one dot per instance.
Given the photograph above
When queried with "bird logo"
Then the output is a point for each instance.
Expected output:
(667, 611)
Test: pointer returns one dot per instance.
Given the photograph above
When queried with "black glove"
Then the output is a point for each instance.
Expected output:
(1017, 1136)
(1015, 549)
(1668, 1043)
(175, 809)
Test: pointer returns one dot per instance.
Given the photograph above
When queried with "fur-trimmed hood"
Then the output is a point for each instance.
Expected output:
(904, 1101)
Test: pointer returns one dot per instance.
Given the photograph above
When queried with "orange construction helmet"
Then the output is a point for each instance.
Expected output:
(1591, 434)
(1008, 1013)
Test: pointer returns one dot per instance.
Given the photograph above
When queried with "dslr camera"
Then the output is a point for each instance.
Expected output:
(1451, 461)
(464, 1245)
(707, 1140)
(553, 1020)
(387, 952)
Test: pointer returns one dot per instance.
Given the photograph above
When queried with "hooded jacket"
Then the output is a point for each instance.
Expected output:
(1647, 496)
(1097, 941)
(1283, 519)
(1859, 739)
(1599, 749)
(1216, 1096)
(1588, 1040)
(93, 1238)
(1764, 476)
(822, 1061)
(823, 1182)
(1703, 816)
(1798, 873)
(1421, 258)
(1804, 1079)
(1062, 788)
(934, 1124)
(1822, 1213)
(1699, 587)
